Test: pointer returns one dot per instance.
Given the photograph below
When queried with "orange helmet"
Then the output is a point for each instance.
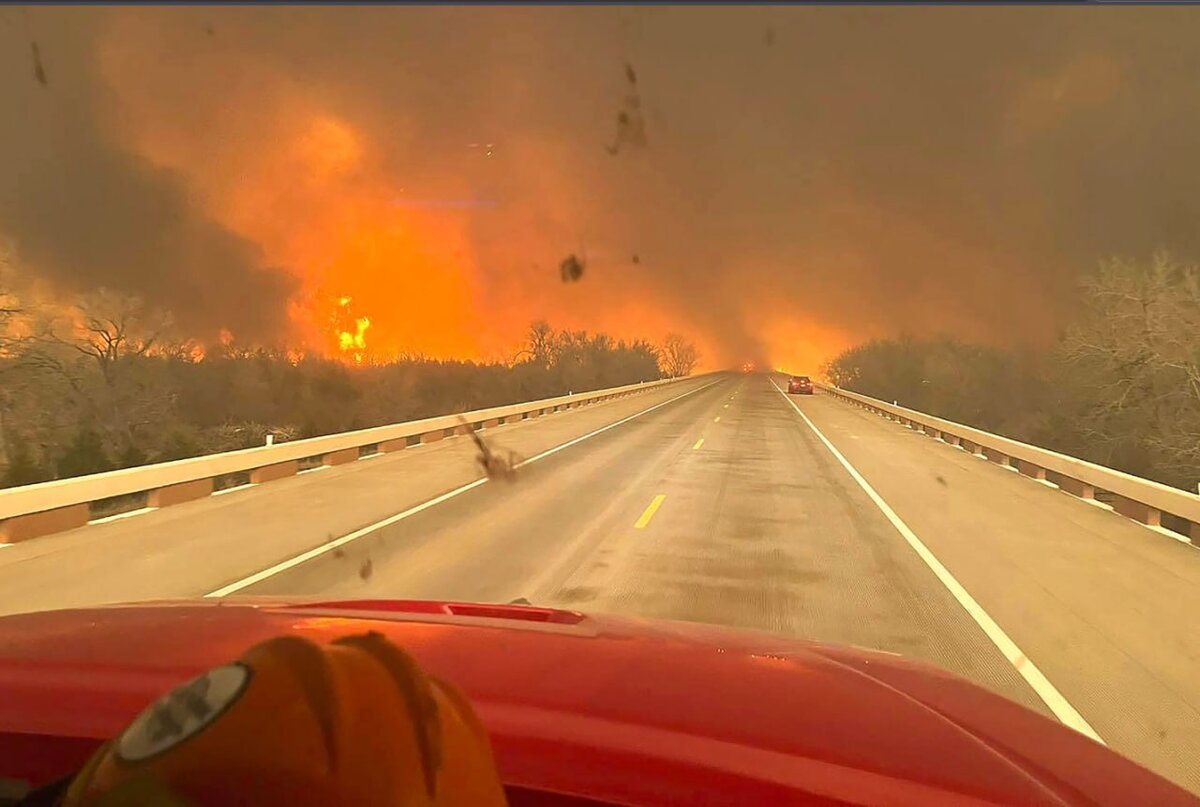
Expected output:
(297, 723)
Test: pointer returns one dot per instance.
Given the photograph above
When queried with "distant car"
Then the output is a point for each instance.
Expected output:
(800, 385)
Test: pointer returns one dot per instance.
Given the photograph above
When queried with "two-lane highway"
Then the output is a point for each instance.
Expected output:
(727, 507)
(717, 508)
(719, 500)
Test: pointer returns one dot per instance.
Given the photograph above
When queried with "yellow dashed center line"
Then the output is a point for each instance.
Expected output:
(651, 509)
(699, 443)
(717, 419)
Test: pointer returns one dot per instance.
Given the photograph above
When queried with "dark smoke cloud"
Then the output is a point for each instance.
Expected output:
(868, 170)
(86, 212)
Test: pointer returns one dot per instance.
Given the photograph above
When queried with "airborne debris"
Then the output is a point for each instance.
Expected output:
(769, 37)
(571, 268)
(941, 480)
(494, 465)
(338, 552)
(208, 29)
(366, 569)
(636, 259)
(631, 127)
(39, 72)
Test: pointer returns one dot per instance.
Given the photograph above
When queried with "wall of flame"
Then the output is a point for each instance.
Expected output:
(444, 245)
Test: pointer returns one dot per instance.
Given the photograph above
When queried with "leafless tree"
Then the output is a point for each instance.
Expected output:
(1134, 358)
(108, 328)
(539, 343)
(101, 349)
(678, 356)
(10, 308)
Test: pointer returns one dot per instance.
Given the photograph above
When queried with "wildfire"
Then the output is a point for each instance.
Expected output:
(321, 195)
(802, 347)
(352, 342)
(356, 341)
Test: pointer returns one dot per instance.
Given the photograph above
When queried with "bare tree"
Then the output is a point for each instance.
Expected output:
(10, 309)
(678, 356)
(104, 350)
(108, 328)
(539, 343)
(1133, 363)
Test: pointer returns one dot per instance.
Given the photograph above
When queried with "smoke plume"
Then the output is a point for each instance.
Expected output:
(801, 178)
(85, 210)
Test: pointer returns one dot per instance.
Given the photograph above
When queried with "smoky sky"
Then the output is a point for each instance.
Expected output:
(86, 212)
(869, 171)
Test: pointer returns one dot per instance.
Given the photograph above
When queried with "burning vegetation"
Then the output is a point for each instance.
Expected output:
(351, 330)
(108, 383)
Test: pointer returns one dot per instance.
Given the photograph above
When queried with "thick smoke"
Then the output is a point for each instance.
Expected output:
(85, 211)
(807, 174)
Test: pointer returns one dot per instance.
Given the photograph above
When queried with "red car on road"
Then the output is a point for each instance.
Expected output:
(590, 710)
(800, 385)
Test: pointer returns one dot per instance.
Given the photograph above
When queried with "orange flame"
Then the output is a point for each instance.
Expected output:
(355, 342)
(351, 340)
(320, 195)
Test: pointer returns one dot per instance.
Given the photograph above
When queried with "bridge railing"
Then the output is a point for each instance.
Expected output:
(63, 504)
(1132, 496)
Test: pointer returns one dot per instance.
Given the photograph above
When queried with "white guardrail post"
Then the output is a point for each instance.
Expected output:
(1140, 499)
(34, 510)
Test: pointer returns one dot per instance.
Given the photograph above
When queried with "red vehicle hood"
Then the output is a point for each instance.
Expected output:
(612, 709)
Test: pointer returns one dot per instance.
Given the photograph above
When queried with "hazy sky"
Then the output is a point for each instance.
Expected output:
(809, 177)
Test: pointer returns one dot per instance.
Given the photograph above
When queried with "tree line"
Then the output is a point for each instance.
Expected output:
(1120, 386)
(107, 387)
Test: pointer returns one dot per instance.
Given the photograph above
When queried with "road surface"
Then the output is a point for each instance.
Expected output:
(718, 499)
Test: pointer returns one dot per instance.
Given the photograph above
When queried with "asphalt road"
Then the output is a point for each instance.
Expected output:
(712, 500)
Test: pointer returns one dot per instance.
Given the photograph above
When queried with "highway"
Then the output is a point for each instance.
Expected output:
(718, 499)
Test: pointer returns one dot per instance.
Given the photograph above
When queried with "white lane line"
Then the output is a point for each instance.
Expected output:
(235, 488)
(119, 516)
(329, 546)
(1045, 690)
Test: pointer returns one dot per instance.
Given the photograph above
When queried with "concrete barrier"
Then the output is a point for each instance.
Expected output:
(340, 457)
(32, 525)
(1140, 499)
(183, 492)
(269, 473)
(33, 510)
